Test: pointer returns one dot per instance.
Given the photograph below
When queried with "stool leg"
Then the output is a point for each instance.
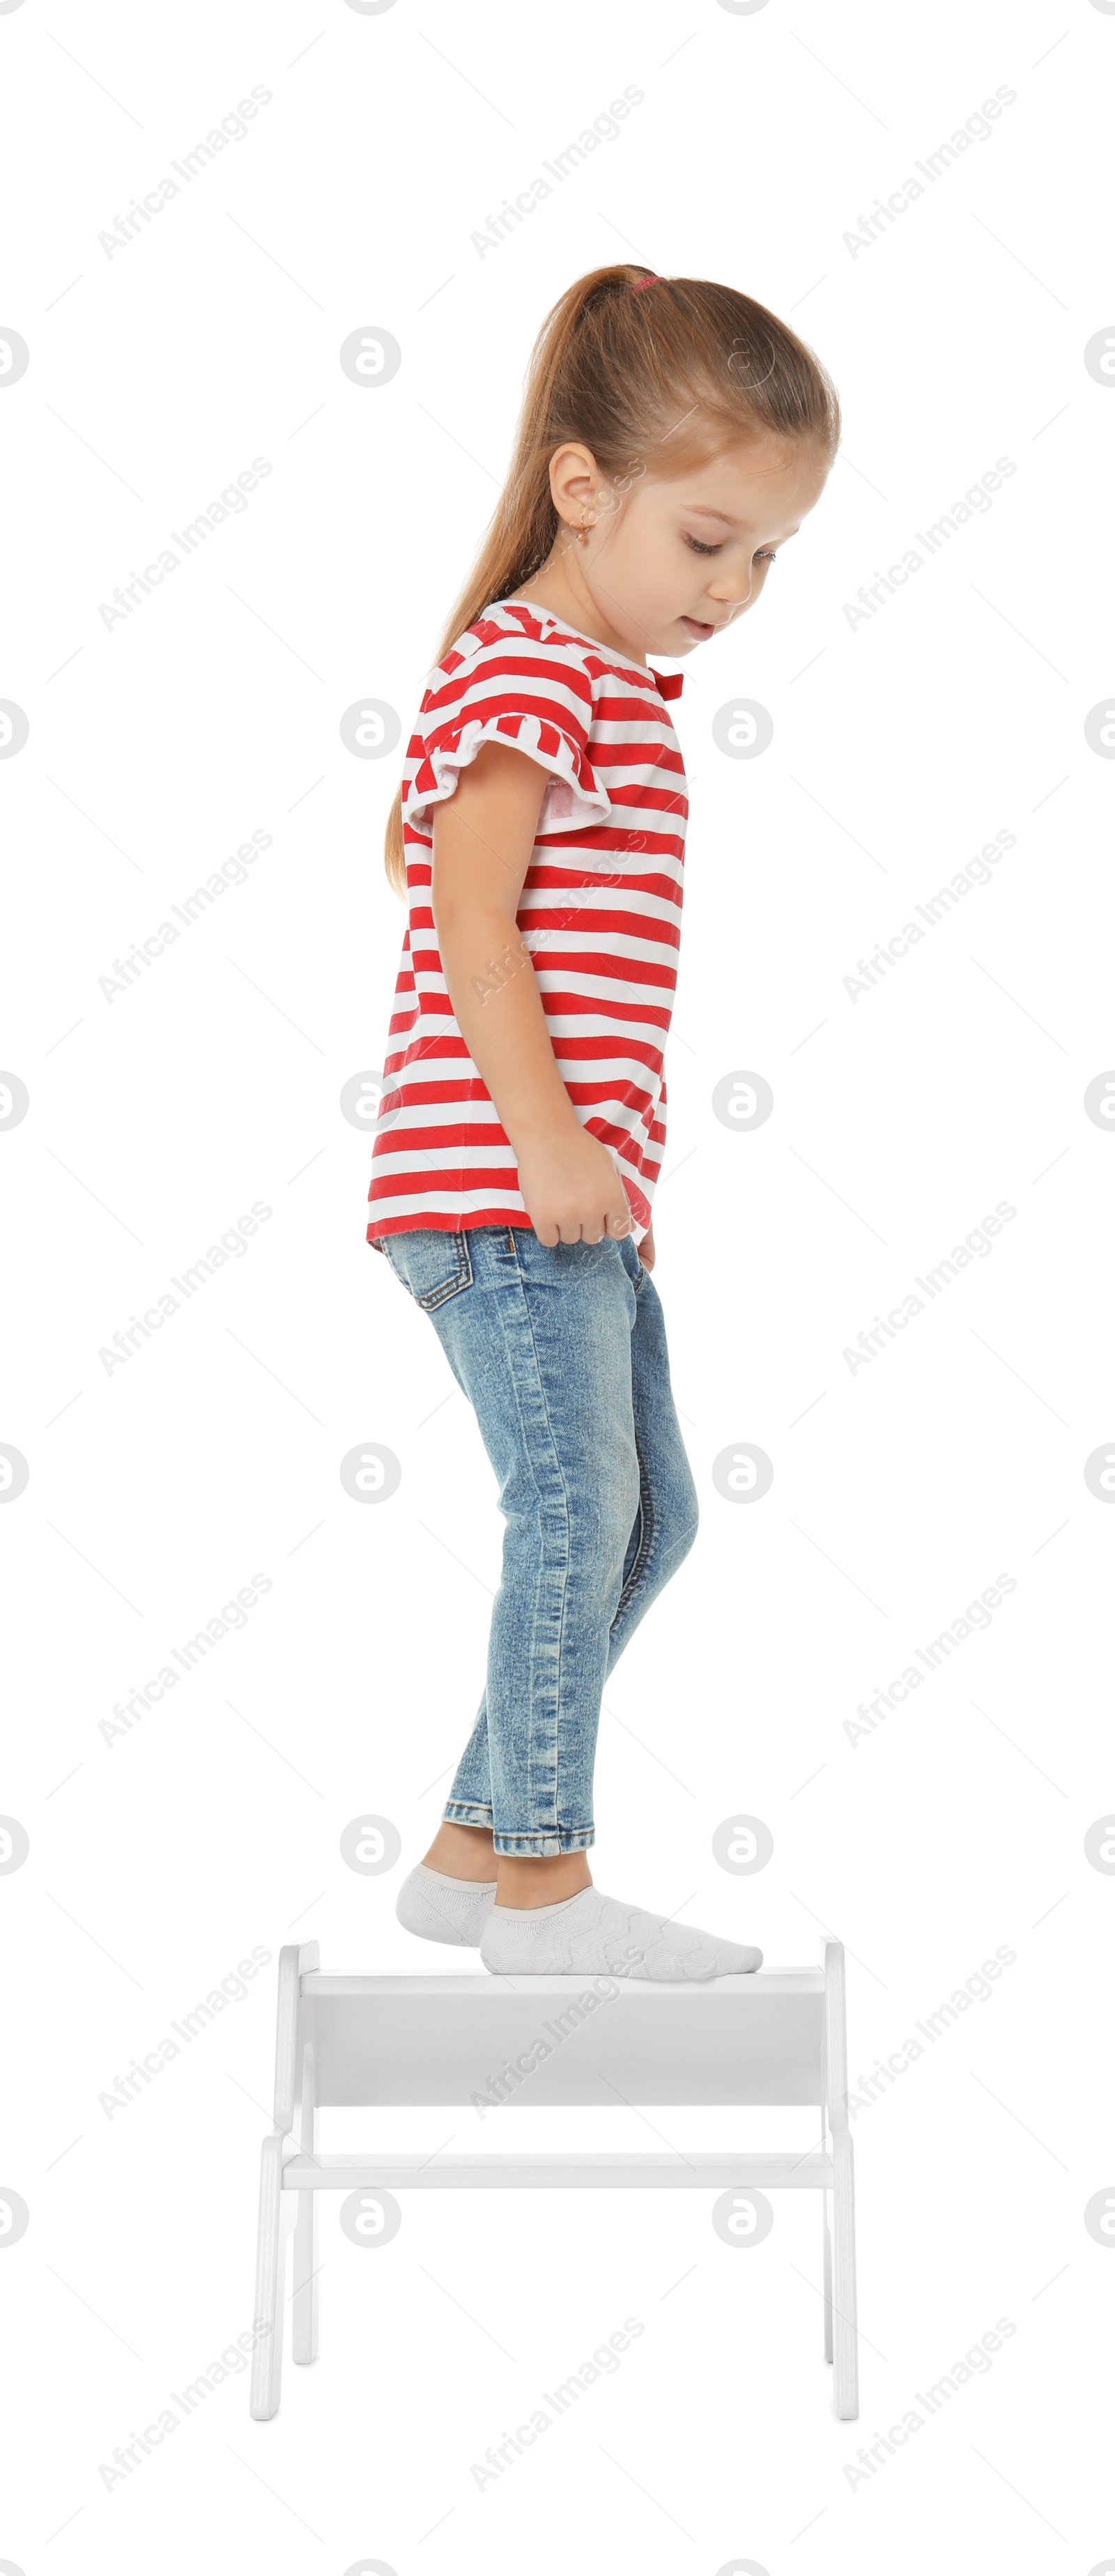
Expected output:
(306, 2231)
(828, 2273)
(267, 2353)
(844, 2327)
(305, 2278)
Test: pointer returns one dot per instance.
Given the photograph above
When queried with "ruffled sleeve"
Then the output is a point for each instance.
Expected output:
(515, 689)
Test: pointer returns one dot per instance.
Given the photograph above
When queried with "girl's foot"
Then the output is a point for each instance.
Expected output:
(593, 1934)
(445, 1909)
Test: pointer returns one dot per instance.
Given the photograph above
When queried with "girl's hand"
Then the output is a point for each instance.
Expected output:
(646, 1249)
(572, 1189)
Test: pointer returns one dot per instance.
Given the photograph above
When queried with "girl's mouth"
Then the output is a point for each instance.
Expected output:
(694, 628)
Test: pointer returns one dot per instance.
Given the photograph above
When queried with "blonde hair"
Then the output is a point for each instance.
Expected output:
(675, 371)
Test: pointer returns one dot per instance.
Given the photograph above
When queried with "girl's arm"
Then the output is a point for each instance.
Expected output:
(483, 843)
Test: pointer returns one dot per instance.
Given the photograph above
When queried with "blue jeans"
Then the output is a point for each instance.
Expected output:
(562, 1353)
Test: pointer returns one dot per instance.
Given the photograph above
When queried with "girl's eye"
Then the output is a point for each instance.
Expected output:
(767, 556)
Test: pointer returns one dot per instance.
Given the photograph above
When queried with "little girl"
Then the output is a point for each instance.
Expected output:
(674, 435)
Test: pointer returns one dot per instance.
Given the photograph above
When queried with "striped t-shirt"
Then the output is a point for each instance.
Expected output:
(600, 911)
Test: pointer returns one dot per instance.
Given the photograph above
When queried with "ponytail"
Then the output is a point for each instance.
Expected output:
(625, 362)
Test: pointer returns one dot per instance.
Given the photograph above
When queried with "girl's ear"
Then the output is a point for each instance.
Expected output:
(575, 479)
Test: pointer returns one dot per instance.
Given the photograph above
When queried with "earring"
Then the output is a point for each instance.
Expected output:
(582, 533)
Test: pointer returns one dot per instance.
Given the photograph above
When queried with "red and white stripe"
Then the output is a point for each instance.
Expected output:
(600, 910)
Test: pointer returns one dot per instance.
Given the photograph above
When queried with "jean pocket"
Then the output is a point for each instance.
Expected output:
(431, 1265)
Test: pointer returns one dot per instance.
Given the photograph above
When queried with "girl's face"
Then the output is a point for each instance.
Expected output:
(672, 561)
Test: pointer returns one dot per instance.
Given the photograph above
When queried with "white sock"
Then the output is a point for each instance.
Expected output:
(591, 1933)
(445, 1909)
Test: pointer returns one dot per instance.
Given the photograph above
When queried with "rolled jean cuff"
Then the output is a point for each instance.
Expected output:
(543, 1846)
(539, 1846)
(464, 1811)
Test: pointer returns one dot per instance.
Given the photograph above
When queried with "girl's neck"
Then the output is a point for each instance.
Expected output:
(562, 591)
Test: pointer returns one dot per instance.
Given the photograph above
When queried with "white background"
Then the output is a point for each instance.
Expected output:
(160, 1858)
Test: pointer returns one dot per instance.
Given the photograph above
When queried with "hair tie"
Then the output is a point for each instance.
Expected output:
(649, 280)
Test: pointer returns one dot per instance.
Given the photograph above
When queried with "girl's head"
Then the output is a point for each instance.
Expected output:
(673, 432)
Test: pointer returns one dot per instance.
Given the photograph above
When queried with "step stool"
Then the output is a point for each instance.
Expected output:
(775, 2037)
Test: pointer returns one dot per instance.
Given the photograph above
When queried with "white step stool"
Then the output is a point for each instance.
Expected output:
(774, 2037)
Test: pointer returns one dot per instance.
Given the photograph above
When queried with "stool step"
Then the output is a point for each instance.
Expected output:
(776, 2039)
(558, 2172)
